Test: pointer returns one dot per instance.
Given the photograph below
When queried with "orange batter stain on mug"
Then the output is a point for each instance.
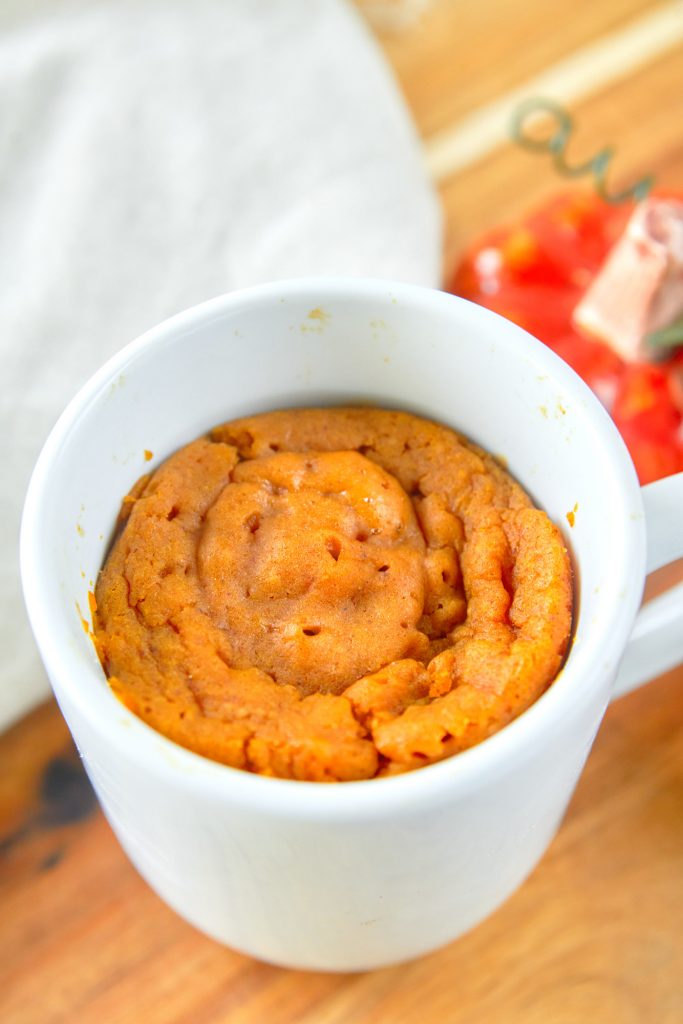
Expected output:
(319, 314)
(571, 515)
(316, 321)
(87, 626)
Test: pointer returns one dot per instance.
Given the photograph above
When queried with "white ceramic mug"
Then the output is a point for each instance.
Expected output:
(361, 874)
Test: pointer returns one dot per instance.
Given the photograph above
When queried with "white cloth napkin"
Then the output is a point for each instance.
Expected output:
(155, 153)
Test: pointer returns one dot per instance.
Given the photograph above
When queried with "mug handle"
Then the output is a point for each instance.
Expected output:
(656, 643)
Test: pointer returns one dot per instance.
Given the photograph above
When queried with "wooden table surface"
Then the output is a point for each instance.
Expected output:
(595, 936)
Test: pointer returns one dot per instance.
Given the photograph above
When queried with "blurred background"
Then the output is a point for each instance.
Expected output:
(154, 153)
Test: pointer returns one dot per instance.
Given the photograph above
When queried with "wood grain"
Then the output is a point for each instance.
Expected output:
(594, 936)
(461, 55)
(641, 117)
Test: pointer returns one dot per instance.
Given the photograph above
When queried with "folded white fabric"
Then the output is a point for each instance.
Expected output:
(155, 153)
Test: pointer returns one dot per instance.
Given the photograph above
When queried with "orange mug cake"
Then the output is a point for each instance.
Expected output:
(331, 595)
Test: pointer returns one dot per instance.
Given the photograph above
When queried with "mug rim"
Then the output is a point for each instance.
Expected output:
(151, 751)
